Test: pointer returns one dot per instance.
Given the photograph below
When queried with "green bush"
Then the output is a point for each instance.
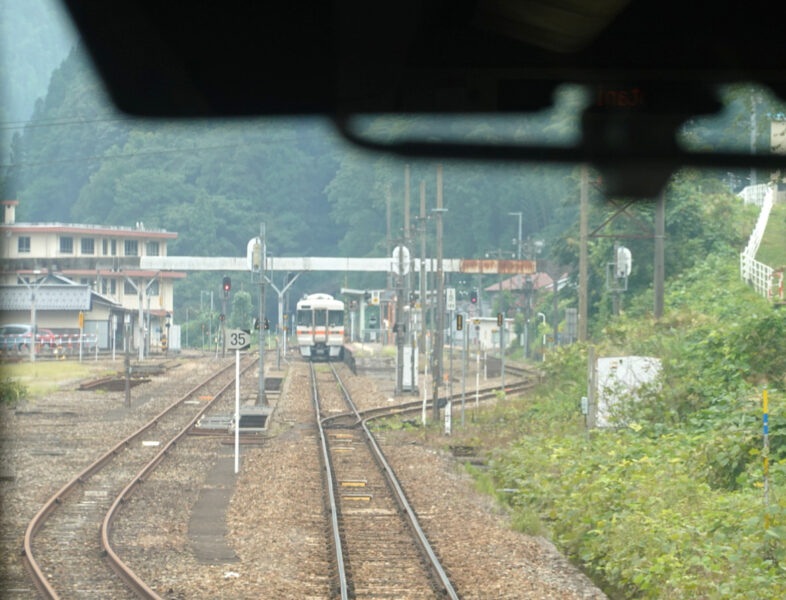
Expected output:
(11, 392)
(671, 506)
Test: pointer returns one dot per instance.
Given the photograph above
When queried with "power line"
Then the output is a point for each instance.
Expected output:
(35, 123)
(148, 153)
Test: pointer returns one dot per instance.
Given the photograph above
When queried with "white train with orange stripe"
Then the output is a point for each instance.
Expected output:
(320, 327)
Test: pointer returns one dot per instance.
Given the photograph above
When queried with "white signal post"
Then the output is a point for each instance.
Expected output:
(237, 340)
(237, 410)
(477, 368)
(450, 306)
(81, 333)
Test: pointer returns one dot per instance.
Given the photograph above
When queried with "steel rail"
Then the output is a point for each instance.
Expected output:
(328, 470)
(118, 566)
(416, 405)
(401, 498)
(37, 575)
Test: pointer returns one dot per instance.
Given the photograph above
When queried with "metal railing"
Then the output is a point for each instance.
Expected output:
(756, 273)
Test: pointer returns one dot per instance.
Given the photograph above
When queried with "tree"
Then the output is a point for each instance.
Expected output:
(241, 310)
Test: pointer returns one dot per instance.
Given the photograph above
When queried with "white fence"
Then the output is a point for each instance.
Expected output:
(755, 194)
(757, 274)
(762, 277)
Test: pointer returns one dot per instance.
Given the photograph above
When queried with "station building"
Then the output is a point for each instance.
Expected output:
(89, 269)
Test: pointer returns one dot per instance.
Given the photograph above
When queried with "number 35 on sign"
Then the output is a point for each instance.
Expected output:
(238, 339)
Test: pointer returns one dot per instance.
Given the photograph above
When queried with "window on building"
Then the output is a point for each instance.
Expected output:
(153, 289)
(131, 248)
(152, 249)
(88, 246)
(104, 247)
(113, 287)
(103, 286)
(24, 243)
(66, 245)
(128, 289)
(114, 247)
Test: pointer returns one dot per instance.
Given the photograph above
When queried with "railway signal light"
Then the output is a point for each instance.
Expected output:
(459, 322)
(221, 317)
(227, 284)
(473, 296)
(267, 324)
(499, 319)
(256, 323)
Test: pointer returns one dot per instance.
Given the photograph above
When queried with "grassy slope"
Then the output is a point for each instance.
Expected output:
(43, 377)
(670, 506)
(772, 251)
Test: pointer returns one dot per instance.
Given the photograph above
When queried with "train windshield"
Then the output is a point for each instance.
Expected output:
(319, 317)
(304, 318)
(335, 318)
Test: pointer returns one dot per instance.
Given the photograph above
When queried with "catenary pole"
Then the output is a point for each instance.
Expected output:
(438, 343)
(583, 258)
(660, 230)
(261, 397)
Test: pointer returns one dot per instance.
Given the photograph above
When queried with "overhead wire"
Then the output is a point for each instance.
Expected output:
(150, 153)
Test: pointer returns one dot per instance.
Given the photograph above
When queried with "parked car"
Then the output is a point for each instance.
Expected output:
(15, 339)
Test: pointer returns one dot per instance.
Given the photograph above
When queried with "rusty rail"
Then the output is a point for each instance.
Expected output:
(39, 579)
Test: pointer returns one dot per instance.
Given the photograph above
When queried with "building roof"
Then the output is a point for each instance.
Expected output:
(51, 296)
(148, 274)
(516, 283)
(77, 229)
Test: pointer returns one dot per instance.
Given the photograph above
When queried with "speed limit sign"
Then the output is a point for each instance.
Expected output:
(238, 339)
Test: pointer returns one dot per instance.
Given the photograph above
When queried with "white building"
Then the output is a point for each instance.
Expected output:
(105, 259)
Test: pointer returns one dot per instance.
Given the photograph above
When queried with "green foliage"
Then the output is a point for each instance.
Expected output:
(671, 506)
(241, 310)
(772, 250)
(11, 392)
(628, 506)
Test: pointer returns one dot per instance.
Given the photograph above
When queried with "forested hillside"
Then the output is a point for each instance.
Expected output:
(213, 182)
(35, 37)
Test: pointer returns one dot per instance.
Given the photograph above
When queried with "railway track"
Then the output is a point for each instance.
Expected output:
(67, 545)
(380, 548)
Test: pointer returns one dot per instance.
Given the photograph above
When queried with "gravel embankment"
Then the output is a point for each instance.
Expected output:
(275, 523)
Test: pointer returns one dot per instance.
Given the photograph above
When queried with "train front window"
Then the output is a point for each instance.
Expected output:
(320, 317)
(335, 318)
(304, 318)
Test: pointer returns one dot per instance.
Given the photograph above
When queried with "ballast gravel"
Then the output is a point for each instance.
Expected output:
(275, 522)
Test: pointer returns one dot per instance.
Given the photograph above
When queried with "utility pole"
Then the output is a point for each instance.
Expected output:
(223, 324)
(388, 241)
(660, 230)
(583, 275)
(518, 239)
(466, 326)
(501, 332)
(438, 343)
(409, 281)
(127, 359)
(753, 180)
(423, 278)
(141, 323)
(400, 322)
(261, 397)
(615, 294)
(34, 331)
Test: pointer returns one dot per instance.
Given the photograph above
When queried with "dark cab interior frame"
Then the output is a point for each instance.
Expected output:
(652, 65)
